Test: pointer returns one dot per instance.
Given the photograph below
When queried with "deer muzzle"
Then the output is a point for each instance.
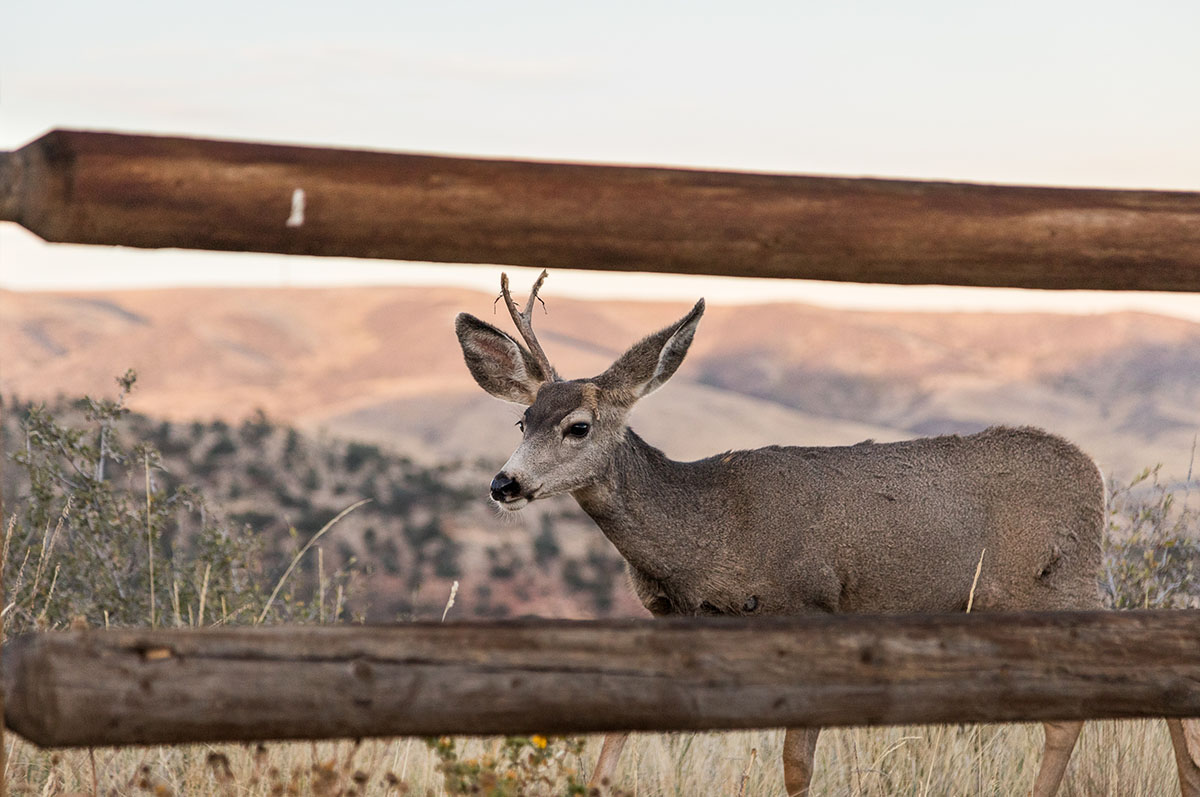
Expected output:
(507, 491)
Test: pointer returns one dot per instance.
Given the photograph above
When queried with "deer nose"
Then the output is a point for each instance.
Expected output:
(504, 487)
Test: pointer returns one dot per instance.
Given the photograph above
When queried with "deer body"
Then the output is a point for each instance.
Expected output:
(894, 527)
(873, 527)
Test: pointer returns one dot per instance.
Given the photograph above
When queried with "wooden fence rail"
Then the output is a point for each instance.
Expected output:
(166, 686)
(145, 191)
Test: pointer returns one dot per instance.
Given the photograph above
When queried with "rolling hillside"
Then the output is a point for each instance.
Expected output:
(382, 364)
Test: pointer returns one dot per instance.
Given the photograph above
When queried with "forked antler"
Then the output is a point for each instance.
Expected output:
(524, 322)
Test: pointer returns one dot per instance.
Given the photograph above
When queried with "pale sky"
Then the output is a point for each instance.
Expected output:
(1052, 93)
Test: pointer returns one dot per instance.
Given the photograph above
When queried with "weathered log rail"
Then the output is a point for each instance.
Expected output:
(166, 686)
(147, 191)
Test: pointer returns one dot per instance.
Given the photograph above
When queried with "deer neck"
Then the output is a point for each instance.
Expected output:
(648, 506)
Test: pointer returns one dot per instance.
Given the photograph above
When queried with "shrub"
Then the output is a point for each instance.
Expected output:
(258, 474)
(504, 562)
(292, 450)
(256, 429)
(359, 454)
(445, 559)
(545, 544)
(222, 448)
(389, 557)
(1153, 544)
(89, 537)
(522, 766)
(102, 533)
(421, 534)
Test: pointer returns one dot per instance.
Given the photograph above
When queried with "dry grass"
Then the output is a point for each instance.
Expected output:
(1128, 758)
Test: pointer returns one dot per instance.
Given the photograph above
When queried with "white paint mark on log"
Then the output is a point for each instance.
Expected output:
(297, 217)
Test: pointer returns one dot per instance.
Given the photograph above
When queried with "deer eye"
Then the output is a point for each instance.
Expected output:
(521, 425)
(579, 429)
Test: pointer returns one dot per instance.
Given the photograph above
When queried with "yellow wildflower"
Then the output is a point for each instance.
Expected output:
(539, 741)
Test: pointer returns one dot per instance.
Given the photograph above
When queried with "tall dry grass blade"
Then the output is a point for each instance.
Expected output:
(48, 540)
(16, 588)
(746, 773)
(49, 595)
(855, 769)
(935, 746)
(450, 600)
(1191, 464)
(404, 763)
(8, 532)
(975, 581)
(296, 559)
(321, 585)
(637, 770)
(977, 740)
(12, 524)
(175, 601)
(203, 594)
(149, 539)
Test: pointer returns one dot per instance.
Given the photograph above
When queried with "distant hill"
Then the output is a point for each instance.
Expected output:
(382, 365)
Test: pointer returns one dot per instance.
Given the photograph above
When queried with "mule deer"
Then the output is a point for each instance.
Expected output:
(891, 527)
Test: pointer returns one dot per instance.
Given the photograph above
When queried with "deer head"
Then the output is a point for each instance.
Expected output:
(570, 428)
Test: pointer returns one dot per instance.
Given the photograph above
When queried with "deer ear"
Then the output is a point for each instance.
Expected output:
(499, 364)
(651, 362)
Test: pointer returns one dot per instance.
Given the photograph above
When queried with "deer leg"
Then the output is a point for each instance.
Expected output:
(799, 749)
(606, 765)
(1060, 741)
(1185, 738)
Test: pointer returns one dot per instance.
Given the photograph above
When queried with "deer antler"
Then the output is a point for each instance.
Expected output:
(524, 322)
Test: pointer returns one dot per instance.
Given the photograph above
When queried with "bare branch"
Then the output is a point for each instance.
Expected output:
(524, 322)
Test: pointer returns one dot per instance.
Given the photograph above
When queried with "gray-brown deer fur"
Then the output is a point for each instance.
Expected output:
(873, 527)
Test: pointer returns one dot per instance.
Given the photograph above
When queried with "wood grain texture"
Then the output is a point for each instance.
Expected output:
(141, 686)
(144, 191)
